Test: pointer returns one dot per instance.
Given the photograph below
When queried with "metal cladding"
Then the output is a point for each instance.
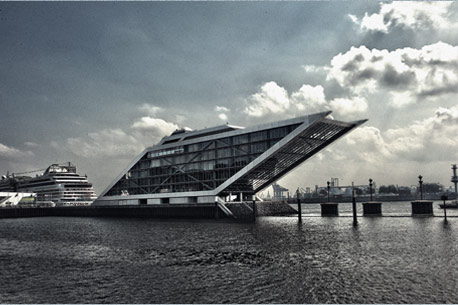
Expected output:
(225, 159)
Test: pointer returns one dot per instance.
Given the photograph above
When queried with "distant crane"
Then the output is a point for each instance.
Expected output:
(454, 177)
(278, 191)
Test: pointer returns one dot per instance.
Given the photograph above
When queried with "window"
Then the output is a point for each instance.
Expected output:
(209, 165)
(223, 142)
(241, 161)
(208, 155)
(193, 147)
(259, 136)
(279, 132)
(166, 152)
(241, 150)
(224, 153)
(259, 147)
(222, 163)
(242, 139)
(155, 163)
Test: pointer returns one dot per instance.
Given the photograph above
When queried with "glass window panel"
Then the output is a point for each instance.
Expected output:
(224, 153)
(279, 132)
(155, 163)
(180, 159)
(222, 163)
(208, 155)
(209, 165)
(223, 142)
(241, 150)
(194, 147)
(241, 161)
(259, 147)
(191, 167)
(259, 136)
(241, 139)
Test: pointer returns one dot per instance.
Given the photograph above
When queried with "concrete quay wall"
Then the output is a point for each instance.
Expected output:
(274, 208)
(200, 211)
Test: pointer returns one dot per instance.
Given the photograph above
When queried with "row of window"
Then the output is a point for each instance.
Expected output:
(167, 168)
(271, 134)
(211, 162)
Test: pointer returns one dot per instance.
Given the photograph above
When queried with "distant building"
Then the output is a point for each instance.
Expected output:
(404, 190)
(221, 163)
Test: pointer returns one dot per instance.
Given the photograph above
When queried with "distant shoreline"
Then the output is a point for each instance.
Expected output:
(433, 197)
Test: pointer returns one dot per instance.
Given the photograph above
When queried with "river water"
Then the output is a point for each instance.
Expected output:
(275, 260)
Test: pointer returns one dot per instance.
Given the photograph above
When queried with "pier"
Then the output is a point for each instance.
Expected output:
(234, 210)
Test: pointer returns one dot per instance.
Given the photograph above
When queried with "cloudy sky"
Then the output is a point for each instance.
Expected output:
(95, 83)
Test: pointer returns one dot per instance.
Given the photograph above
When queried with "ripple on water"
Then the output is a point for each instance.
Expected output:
(276, 260)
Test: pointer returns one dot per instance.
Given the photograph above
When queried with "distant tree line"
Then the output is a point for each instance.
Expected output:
(427, 188)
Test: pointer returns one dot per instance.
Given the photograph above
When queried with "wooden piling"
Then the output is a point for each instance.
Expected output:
(299, 207)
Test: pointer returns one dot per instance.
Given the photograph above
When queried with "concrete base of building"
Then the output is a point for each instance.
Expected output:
(329, 209)
(422, 208)
(187, 211)
(372, 208)
(155, 201)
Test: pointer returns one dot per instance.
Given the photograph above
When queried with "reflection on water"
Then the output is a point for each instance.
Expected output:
(275, 260)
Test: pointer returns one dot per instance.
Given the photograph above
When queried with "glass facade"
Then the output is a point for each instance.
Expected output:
(201, 166)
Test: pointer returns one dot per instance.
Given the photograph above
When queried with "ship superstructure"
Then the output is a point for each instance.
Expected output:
(59, 184)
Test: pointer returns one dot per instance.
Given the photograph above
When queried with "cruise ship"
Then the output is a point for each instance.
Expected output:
(59, 185)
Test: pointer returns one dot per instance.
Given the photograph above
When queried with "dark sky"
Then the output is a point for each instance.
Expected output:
(76, 76)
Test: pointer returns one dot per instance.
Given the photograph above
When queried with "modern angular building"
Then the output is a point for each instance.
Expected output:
(221, 163)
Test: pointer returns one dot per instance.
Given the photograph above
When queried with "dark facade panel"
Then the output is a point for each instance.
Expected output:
(200, 166)
(301, 148)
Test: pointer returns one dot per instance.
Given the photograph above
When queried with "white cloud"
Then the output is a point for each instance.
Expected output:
(271, 98)
(150, 109)
(31, 144)
(314, 69)
(309, 98)
(222, 117)
(374, 22)
(406, 74)
(159, 125)
(346, 106)
(430, 140)
(221, 109)
(7, 152)
(107, 142)
(117, 142)
(415, 15)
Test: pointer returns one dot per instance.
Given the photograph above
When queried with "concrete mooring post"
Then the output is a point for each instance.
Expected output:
(370, 187)
(254, 210)
(444, 197)
(421, 186)
(355, 219)
(216, 210)
(329, 190)
(422, 207)
(299, 207)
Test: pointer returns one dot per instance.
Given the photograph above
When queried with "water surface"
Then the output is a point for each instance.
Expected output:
(275, 260)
